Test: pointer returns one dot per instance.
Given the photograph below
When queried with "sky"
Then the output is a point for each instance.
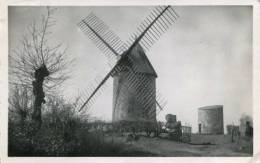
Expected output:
(205, 58)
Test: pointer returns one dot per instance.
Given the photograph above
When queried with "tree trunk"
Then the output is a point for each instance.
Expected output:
(39, 95)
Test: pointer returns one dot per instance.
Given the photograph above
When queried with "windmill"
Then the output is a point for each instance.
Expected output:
(134, 93)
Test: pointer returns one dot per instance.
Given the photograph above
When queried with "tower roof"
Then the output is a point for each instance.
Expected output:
(211, 107)
(140, 60)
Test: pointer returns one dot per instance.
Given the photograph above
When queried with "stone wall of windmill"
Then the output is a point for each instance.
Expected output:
(129, 102)
(134, 96)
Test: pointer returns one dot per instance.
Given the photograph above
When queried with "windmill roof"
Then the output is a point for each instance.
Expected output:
(140, 60)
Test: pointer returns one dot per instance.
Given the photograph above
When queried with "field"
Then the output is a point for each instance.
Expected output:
(221, 145)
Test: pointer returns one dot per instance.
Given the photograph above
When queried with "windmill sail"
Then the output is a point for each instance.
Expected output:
(105, 39)
(97, 88)
(152, 28)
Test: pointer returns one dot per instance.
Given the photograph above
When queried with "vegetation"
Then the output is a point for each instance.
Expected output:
(63, 131)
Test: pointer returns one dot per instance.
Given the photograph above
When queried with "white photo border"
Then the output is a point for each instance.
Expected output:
(4, 80)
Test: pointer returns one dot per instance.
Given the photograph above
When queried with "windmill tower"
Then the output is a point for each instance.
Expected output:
(125, 105)
(134, 95)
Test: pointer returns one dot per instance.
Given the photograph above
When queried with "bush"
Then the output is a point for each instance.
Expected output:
(63, 133)
(53, 142)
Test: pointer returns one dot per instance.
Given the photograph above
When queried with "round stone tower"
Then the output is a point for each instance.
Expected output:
(210, 119)
(134, 98)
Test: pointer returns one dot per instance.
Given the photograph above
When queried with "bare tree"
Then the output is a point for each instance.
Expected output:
(20, 104)
(38, 63)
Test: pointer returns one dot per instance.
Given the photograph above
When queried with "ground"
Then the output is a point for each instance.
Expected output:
(221, 145)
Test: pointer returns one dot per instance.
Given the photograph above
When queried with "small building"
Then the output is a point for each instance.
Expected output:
(210, 120)
(171, 118)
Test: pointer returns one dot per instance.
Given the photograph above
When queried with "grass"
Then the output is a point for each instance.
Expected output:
(53, 141)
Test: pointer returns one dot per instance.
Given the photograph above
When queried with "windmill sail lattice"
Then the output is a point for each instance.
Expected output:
(148, 32)
(105, 39)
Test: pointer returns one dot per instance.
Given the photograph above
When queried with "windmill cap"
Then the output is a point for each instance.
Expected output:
(141, 61)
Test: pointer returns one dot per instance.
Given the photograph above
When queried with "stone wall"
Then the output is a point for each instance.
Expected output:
(211, 119)
(129, 101)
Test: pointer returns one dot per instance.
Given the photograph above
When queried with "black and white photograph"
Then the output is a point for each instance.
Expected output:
(130, 81)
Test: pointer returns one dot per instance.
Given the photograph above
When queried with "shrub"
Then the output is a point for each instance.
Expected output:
(63, 133)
